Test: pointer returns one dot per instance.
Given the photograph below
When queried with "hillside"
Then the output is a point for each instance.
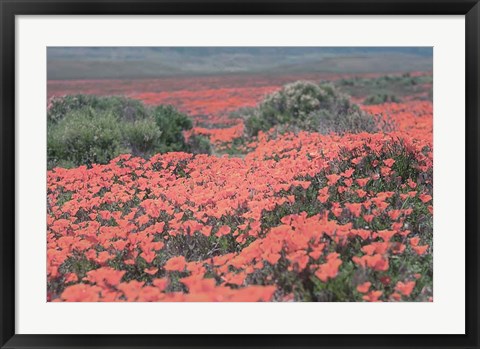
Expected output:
(151, 62)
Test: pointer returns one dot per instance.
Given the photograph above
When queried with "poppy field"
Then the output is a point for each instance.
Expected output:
(285, 215)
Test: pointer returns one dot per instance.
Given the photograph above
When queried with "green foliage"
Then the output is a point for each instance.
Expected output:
(84, 138)
(124, 108)
(399, 85)
(308, 106)
(172, 123)
(381, 98)
(198, 144)
(87, 130)
(142, 136)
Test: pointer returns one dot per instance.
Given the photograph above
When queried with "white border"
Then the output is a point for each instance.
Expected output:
(445, 315)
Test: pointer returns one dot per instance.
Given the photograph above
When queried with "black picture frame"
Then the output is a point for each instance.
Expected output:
(11, 8)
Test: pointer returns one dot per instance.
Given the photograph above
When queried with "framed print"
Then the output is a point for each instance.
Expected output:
(196, 174)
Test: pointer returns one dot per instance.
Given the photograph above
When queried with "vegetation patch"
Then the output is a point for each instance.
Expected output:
(401, 86)
(87, 130)
(308, 106)
(381, 98)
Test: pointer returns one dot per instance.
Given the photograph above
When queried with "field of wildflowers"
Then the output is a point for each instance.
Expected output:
(289, 216)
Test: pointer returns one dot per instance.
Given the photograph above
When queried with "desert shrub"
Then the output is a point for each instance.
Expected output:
(84, 138)
(381, 98)
(143, 136)
(86, 130)
(308, 106)
(399, 85)
(241, 112)
(125, 108)
(198, 144)
(171, 122)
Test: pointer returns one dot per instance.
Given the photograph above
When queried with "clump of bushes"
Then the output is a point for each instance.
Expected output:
(398, 85)
(381, 98)
(125, 108)
(86, 130)
(308, 106)
(198, 144)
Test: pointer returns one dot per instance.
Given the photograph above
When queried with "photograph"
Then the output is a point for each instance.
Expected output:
(239, 174)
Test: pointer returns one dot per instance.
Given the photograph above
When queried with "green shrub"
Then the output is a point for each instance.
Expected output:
(254, 123)
(399, 85)
(84, 138)
(171, 123)
(198, 144)
(124, 108)
(308, 106)
(241, 112)
(380, 99)
(87, 130)
(143, 136)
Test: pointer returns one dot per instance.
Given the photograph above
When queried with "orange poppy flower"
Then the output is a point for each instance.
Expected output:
(175, 264)
(365, 287)
(405, 288)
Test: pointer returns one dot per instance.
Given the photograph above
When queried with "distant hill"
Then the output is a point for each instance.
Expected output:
(150, 62)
